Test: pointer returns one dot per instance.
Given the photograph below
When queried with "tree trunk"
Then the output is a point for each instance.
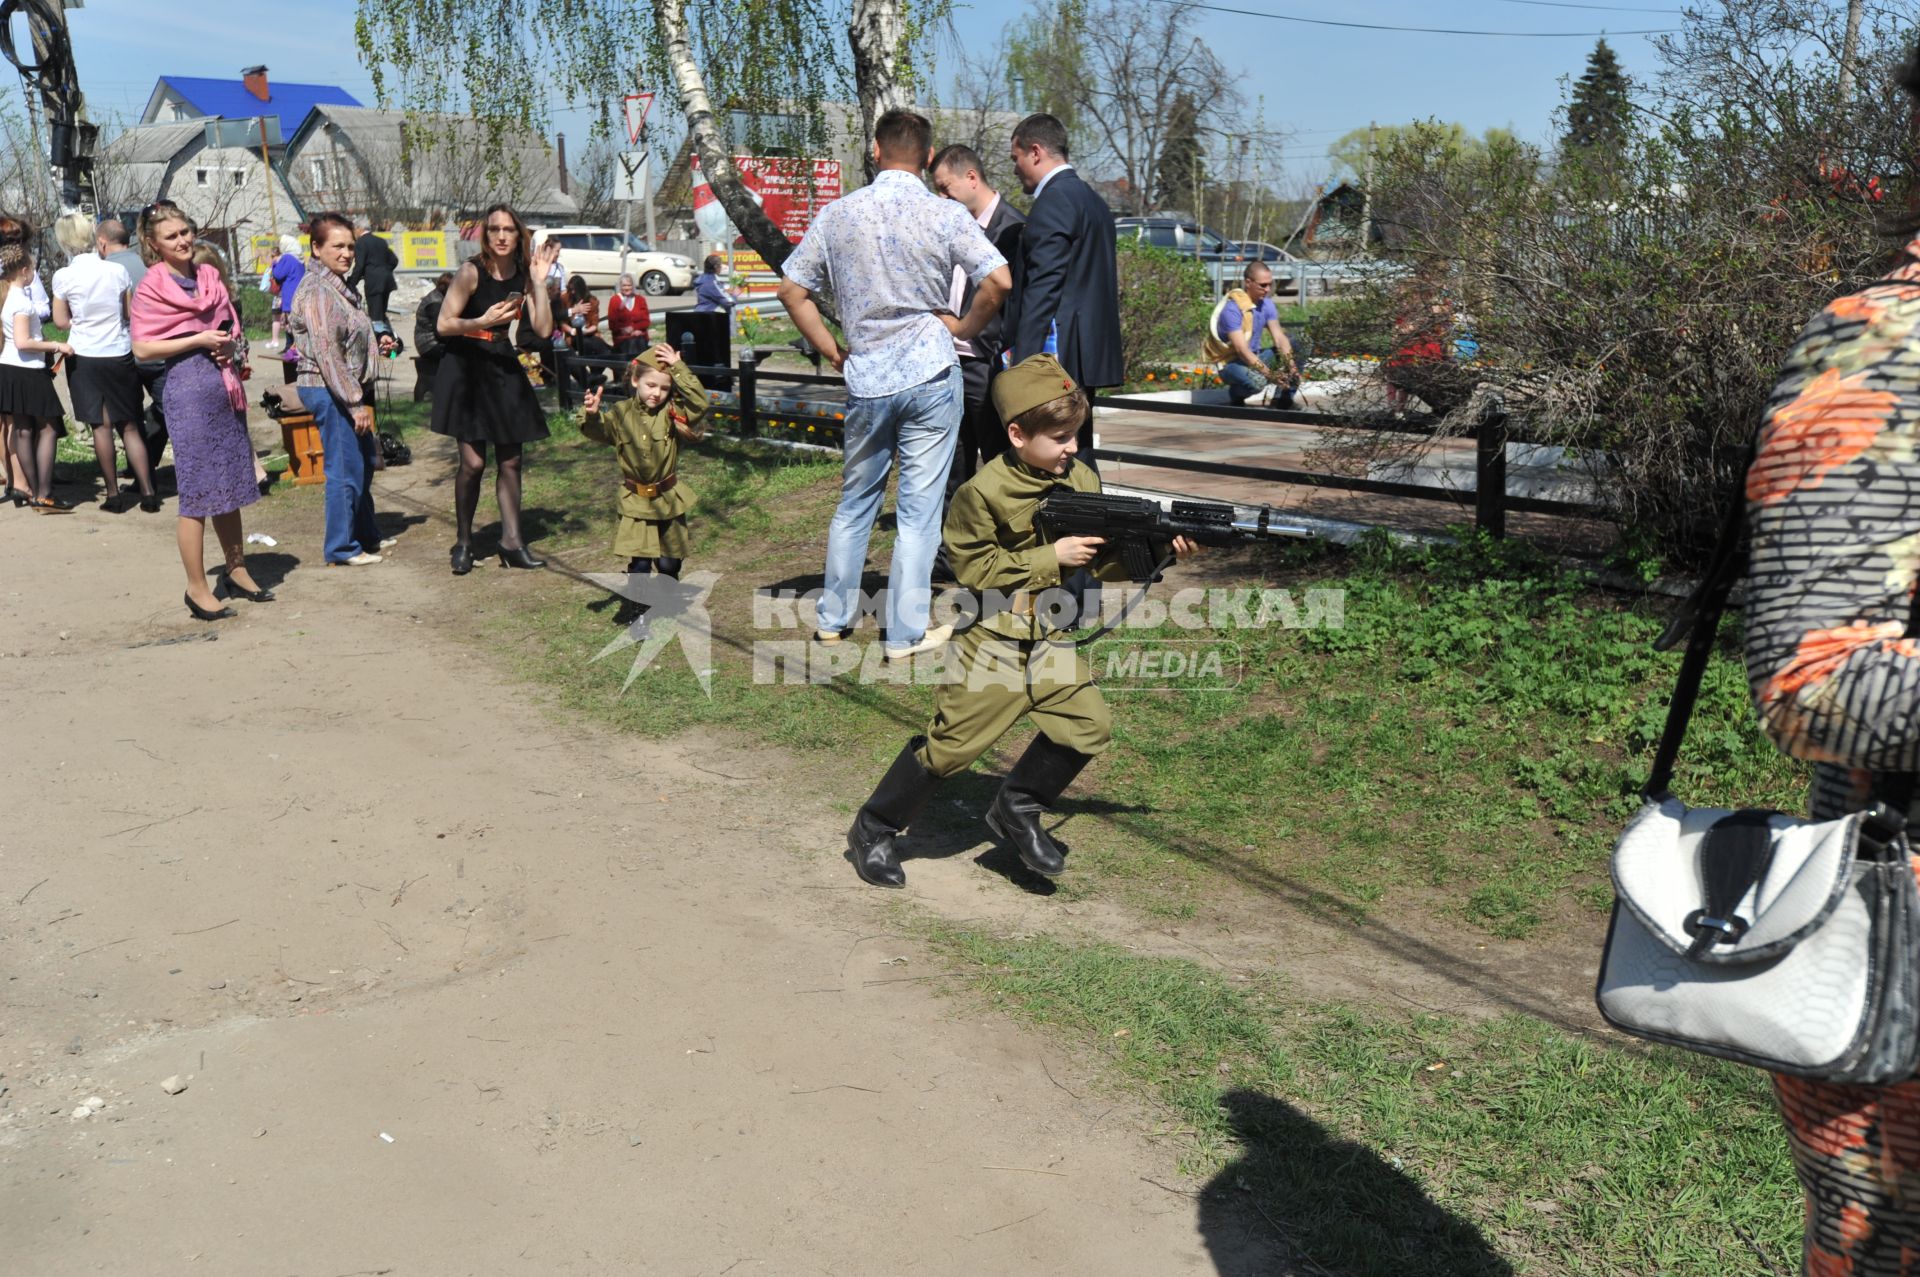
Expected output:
(1850, 51)
(711, 145)
(876, 36)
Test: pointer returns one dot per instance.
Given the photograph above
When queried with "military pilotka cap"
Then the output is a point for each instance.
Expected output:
(1028, 384)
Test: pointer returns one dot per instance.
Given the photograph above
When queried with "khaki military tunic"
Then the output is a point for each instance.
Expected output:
(648, 445)
(1013, 661)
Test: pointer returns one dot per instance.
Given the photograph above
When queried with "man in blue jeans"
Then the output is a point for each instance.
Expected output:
(1246, 341)
(887, 253)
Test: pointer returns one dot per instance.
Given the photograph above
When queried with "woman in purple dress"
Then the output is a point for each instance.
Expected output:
(183, 316)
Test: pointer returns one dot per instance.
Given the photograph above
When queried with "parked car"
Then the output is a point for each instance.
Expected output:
(595, 253)
(1224, 259)
(1261, 251)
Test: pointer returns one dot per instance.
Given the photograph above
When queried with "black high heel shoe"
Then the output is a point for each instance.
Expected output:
(251, 596)
(16, 496)
(151, 503)
(202, 614)
(462, 557)
(519, 558)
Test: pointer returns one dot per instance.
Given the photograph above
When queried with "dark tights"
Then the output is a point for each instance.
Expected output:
(33, 444)
(664, 565)
(136, 445)
(506, 490)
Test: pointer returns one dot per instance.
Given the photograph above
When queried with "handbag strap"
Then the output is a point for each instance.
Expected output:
(1699, 620)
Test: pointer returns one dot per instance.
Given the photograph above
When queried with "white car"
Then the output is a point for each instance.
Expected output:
(594, 252)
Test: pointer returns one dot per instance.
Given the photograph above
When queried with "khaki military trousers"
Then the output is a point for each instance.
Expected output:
(997, 681)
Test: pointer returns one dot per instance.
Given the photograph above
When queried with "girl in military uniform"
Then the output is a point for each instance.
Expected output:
(1012, 661)
(668, 404)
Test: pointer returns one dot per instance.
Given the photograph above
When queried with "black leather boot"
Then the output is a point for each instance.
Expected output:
(902, 794)
(1028, 793)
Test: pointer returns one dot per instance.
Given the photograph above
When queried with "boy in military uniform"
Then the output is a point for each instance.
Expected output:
(645, 431)
(1011, 662)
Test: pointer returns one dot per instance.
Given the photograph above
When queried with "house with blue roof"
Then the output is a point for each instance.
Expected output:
(190, 97)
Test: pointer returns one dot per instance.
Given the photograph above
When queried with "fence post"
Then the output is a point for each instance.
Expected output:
(561, 377)
(1490, 476)
(749, 408)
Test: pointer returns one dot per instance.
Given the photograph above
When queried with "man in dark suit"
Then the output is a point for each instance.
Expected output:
(958, 175)
(374, 263)
(1066, 278)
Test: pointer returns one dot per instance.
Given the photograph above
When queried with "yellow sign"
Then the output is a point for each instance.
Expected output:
(425, 250)
(417, 250)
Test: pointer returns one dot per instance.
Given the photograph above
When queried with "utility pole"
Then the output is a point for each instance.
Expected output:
(273, 207)
(1366, 198)
(646, 189)
(51, 78)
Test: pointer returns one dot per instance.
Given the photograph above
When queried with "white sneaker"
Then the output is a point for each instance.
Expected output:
(387, 543)
(359, 560)
(931, 641)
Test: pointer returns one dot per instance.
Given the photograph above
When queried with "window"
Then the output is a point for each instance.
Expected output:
(1161, 237)
(1211, 243)
(575, 242)
(200, 177)
(605, 243)
(239, 177)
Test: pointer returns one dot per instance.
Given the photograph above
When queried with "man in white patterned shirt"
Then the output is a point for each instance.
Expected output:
(887, 253)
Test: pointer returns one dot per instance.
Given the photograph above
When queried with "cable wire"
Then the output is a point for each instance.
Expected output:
(1380, 26)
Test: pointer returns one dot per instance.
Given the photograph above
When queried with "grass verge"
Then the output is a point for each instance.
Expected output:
(1464, 740)
(1382, 1146)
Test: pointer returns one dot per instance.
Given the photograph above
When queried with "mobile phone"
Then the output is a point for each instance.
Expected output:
(517, 298)
(225, 325)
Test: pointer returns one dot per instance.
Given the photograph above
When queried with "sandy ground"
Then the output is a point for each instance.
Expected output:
(456, 988)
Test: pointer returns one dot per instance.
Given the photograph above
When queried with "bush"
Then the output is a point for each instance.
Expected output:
(1636, 303)
(1164, 303)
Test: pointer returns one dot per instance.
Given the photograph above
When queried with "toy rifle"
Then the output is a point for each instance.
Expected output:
(1141, 533)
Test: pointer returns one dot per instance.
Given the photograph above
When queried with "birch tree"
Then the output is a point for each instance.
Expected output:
(499, 59)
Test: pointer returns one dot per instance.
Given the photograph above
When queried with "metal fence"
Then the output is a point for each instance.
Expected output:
(1490, 499)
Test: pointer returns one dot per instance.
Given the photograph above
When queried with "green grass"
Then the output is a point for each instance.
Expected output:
(1466, 743)
(1378, 1144)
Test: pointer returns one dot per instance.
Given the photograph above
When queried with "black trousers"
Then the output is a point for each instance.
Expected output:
(981, 436)
(378, 291)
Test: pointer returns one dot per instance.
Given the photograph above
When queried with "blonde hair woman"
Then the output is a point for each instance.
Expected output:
(183, 315)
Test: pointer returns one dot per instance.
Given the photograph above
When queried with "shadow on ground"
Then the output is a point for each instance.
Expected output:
(1300, 1199)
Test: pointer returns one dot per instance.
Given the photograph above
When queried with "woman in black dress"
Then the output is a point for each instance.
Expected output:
(482, 396)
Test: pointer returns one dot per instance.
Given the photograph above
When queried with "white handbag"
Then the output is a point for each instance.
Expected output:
(1776, 941)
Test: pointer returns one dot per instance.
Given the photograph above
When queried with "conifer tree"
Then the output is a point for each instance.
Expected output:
(1600, 116)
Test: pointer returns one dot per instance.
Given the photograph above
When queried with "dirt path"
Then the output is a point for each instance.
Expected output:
(616, 1011)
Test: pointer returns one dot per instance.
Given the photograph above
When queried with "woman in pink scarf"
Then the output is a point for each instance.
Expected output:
(182, 315)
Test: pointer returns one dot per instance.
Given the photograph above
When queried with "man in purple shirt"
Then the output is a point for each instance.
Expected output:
(887, 253)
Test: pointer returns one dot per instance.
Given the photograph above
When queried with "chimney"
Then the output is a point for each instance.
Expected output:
(255, 78)
(560, 156)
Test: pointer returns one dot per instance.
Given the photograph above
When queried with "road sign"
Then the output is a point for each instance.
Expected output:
(633, 176)
(637, 104)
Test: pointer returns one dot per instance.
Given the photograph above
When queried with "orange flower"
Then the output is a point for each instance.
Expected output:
(1830, 422)
(1860, 306)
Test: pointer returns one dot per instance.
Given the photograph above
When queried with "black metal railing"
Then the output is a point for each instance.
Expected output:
(1490, 499)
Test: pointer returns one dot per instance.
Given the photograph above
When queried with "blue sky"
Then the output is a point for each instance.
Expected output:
(1318, 82)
